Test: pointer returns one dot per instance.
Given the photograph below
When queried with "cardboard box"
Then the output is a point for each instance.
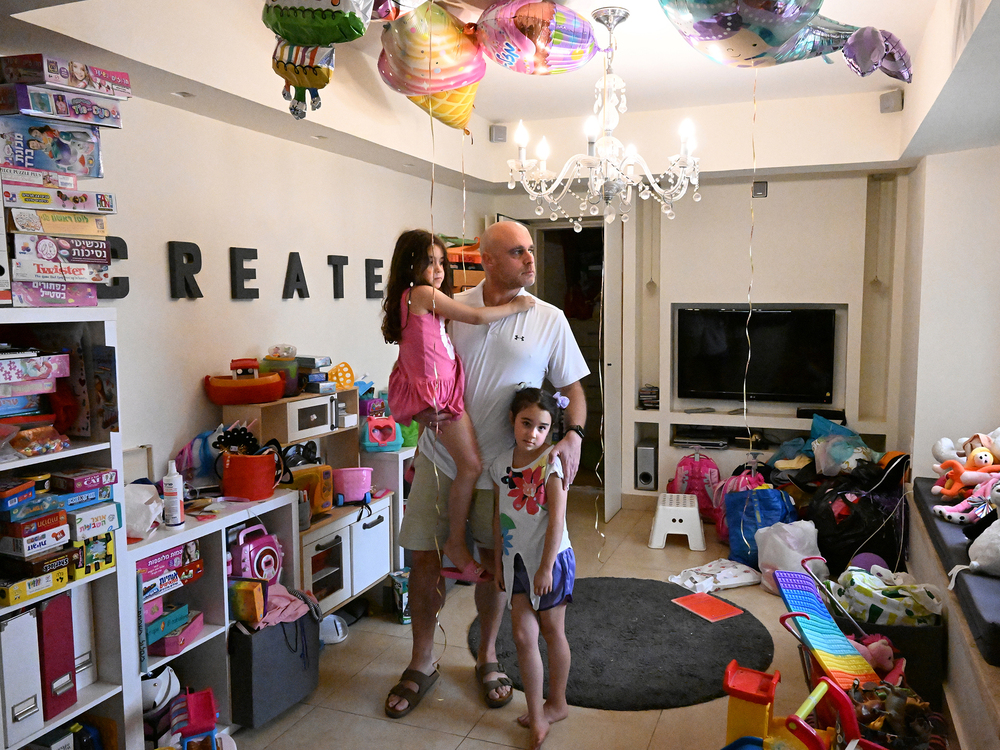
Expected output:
(177, 640)
(6, 296)
(14, 501)
(174, 616)
(14, 486)
(34, 143)
(12, 568)
(58, 199)
(70, 75)
(83, 478)
(94, 521)
(60, 738)
(400, 593)
(160, 585)
(56, 222)
(28, 387)
(248, 599)
(35, 506)
(36, 543)
(77, 500)
(24, 266)
(16, 592)
(30, 527)
(63, 249)
(90, 109)
(152, 609)
(91, 556)
(36, 178)
(34, 368)
(53, 294)
(14, 405)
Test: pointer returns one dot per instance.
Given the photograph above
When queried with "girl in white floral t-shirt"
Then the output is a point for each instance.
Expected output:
(533, 551)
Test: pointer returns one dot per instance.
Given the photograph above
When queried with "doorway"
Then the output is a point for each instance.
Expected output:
(571, 276)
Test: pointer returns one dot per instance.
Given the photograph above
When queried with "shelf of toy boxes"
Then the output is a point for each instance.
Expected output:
(204, 662)
(98, 592)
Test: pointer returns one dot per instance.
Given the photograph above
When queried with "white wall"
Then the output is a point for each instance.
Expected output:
(958, 362)
(183, 177)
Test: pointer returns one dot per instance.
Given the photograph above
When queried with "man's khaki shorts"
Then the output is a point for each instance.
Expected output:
(425, 523)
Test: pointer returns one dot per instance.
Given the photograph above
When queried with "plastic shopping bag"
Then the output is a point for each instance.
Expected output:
(782, 546)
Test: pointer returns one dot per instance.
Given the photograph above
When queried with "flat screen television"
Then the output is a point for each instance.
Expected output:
(793, 354)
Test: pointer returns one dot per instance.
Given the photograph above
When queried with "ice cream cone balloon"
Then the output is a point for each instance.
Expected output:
(538, 37)
(453, 108)
(427, 51)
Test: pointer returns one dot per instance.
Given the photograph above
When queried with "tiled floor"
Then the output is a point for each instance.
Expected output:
(346, 710)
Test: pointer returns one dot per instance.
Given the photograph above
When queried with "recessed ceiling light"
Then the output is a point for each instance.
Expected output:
(183, 94)
(407, 164)
(318, 137)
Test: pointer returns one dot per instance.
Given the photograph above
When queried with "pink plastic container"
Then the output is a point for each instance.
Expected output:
(352, 484)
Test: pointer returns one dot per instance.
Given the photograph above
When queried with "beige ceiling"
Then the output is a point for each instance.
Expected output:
(221, 51)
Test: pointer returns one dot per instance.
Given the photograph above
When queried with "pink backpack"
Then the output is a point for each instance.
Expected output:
(747, 480)
(696, 475)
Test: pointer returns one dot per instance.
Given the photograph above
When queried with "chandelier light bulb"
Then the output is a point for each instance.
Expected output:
(688, 141)
(543, 150)
(521, 135)
(591, 128)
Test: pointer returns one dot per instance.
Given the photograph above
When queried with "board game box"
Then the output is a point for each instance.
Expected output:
(53, 294)
(33, 143)
(56, 222)
(19, 98)
(71, 75)
(27, 267)
(36, 178)
(63, 249)
(59, 199)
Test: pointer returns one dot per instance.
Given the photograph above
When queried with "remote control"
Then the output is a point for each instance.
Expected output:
(700, 410)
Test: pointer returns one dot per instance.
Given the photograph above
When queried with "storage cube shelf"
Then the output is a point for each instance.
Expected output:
(106, 591)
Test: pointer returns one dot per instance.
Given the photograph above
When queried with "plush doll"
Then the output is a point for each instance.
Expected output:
(984, 555)
(975, 506)
(978, 467)
(878, 651)
(945, 450)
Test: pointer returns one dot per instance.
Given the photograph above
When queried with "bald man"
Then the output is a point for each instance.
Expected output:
(524, 348)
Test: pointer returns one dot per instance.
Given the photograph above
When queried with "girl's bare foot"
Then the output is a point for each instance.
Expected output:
(551, 713)
(538, 733)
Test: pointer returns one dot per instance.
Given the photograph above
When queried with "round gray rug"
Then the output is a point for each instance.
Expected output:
(635, 650)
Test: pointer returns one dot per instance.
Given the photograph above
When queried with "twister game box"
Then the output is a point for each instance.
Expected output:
(32, 143)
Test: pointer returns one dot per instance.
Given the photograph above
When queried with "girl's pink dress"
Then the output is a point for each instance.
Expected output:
(428, 373)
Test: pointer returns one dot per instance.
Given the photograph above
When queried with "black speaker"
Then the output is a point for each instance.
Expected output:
(645, 464)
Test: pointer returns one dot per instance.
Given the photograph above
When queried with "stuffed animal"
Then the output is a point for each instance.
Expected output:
(982, 499)
(984, 555)
(945, 450)
(978, 467)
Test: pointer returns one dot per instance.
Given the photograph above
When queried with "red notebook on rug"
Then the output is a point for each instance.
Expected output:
(707, 606)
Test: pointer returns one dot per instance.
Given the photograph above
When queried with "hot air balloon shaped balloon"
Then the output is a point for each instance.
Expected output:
(306, 32)
(427, 51)
(756, 33)
(536, 37)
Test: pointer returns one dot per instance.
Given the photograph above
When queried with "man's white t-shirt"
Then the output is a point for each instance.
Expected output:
(522, 348)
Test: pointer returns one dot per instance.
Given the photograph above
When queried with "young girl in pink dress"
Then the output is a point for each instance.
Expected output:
(428, 374)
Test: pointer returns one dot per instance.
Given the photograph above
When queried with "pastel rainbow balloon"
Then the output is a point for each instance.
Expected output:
(427, 51)
(537, 37)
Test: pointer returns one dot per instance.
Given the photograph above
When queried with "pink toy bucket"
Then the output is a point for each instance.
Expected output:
(353, 484)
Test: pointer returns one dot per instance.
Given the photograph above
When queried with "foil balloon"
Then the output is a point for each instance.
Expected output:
(453, 108)
(756, 33)
(306, 68)
(318, 22)
(306, 32)
(427, 51)
(535, 37)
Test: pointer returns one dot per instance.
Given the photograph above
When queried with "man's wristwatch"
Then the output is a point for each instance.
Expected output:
(578, 429)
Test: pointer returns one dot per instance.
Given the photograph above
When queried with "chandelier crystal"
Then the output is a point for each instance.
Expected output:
(606, 178)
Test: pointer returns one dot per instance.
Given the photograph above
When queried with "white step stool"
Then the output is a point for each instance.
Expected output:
(677, 514)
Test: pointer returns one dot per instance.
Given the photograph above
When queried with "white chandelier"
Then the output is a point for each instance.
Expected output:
(611, 172)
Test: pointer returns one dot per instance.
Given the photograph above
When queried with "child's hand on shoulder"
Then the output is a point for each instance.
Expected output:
(523, 302)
